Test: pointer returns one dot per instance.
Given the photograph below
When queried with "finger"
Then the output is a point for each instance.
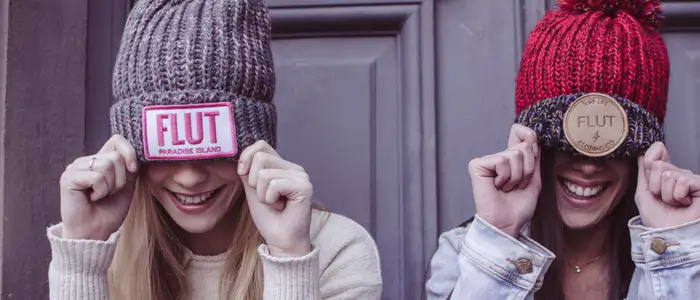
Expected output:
(255, 204)
(495, 166)
(110, 164)
(293, 189)
(515, 160)
(108, 167)
(528, 164)
(113, 166)
(246, 157)
(120, 173)
(265, 176)
(657, 152)
(694, 185)
(263, 160)
(84, 181)
(685, 171)
(681, 190)
(657, 169)
(272, 195)
(642, 174)
(519, 134)
(120, 144)
(668, 185)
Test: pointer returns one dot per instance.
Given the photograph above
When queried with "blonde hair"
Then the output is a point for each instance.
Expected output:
(149, 262)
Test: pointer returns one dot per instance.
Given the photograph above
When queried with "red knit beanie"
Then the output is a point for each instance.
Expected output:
(594, 78)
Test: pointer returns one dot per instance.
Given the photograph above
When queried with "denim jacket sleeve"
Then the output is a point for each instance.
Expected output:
(667, 260)
(491, 265)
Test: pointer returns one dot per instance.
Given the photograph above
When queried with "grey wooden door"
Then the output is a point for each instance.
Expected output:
(386, 101)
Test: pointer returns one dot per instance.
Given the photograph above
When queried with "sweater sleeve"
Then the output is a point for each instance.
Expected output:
(78, 269)
(290, 278)
(343, 265)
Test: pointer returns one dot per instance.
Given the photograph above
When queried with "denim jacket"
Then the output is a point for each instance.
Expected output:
(667, 263)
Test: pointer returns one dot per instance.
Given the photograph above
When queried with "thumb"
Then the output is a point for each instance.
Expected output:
(520, 133)
(657, 151)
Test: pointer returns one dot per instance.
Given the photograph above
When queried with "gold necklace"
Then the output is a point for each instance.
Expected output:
(578, 268)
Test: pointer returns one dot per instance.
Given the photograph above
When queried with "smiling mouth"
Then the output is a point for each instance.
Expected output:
(197, 199)
(580, 192)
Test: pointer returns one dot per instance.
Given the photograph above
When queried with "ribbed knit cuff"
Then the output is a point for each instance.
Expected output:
(79, 267)
(295, 278)
(546, 118)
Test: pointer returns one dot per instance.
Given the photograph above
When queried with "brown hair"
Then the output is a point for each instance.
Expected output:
(547, 228)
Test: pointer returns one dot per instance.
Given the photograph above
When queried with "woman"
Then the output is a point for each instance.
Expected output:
(189, 199)
(585, 156)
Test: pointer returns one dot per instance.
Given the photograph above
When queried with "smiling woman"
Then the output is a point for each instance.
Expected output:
(586, 179)
(189, 198)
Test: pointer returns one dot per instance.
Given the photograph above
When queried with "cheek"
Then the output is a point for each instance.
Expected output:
(626, 174)
(625, 178)
(226, 172)
(157, 174)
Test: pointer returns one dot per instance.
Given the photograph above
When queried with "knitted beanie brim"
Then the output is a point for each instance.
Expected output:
(253, 120)
(547, 119)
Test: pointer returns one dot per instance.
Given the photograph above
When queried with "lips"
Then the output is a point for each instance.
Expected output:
(583, 191)
(582, 195)
(194, 204)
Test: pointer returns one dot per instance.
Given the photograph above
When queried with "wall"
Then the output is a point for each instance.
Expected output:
(42, 121)
(384, 102)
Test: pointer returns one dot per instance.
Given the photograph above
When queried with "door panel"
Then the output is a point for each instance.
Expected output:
(355, 105)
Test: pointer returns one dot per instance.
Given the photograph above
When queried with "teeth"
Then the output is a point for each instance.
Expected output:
(583, 192)
(193, 199)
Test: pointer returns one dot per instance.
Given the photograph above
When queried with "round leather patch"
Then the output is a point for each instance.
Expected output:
(595, 125)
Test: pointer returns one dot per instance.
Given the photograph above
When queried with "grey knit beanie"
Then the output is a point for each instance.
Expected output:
(194, 79)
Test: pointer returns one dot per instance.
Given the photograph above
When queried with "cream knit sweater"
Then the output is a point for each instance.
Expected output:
(344, 264)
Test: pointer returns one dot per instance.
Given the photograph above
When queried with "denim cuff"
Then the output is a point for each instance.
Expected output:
(521, 261)
(661, 248)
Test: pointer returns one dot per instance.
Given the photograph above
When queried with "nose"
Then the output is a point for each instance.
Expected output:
(189, 175)
(587, 167)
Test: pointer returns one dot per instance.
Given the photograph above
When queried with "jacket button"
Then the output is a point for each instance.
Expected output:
(524, 266)
(658, 245)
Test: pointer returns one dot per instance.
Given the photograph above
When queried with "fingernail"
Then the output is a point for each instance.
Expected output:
(134, 166)
(240, 168)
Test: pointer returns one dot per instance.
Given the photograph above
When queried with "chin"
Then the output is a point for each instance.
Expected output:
(584, 205)
(195, 226)
(580, 220)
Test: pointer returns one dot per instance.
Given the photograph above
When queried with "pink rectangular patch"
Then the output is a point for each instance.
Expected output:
(189, 131)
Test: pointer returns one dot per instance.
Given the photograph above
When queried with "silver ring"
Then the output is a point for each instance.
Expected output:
(92, 161)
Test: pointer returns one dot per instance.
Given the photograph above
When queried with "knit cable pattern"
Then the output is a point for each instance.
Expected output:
(595, 46)
(185, 52)
(546, 118)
